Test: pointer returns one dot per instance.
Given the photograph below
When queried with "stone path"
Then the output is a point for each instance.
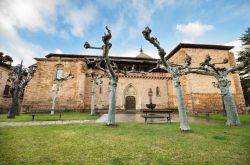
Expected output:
(130, 118)
(30, 123)
(118, 118)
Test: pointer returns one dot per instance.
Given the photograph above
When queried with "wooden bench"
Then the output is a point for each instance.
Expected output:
(155, 114)
(151, 117)
(43, 112)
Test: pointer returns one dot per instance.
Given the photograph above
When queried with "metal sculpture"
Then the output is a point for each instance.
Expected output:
(221, 73)
(175, 71)
(19, 78)
(110, 71)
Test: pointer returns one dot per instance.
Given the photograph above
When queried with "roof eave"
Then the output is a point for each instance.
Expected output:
(201, 46)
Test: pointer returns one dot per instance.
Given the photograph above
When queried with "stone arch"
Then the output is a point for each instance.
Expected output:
(130, 95)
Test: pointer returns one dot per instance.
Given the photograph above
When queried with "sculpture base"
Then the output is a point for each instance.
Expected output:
(151, 106)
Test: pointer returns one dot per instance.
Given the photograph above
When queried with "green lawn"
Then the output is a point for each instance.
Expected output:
(128, 143)
(245, 118)
(65, 116)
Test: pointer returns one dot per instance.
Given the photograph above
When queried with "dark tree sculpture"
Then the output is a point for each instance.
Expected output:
(175, 71)
(220, 73)
(19, 76)
(110, 71)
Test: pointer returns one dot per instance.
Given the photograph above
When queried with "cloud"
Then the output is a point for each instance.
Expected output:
(64, 34)
(193, 30)
(40, 16)
(79, 19)
(12, 44)
(31, 15)
(58, 51)
(138, 14)
(237, 47)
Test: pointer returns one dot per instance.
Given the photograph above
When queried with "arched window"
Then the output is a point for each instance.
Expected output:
(158, 93)
(59, 72)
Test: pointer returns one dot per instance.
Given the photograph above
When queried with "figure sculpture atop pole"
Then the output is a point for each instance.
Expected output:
(110, 71)
(175, 71)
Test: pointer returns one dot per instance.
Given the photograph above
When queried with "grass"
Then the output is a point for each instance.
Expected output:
(65, 116)
(128, 143)
(245, 118)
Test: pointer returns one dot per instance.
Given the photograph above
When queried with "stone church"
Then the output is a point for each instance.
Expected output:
(132, 89)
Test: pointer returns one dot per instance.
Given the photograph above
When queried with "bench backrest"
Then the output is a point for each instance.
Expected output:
(44, 111)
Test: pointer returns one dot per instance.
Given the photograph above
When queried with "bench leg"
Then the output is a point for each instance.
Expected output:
(33, 117)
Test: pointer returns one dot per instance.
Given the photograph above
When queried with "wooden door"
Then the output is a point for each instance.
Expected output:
(130, 103)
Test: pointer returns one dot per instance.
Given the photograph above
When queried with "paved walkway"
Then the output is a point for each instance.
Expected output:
(131, 118)
(30, 123)
(118, 118)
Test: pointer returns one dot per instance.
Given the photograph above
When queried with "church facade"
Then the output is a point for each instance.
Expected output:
(132, 89)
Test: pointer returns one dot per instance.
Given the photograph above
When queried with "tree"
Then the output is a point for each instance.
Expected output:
(175, 71)
(57, 89)
(221, 74)
(245, 74)
(110, 73)
(19, 76)
(95, 77)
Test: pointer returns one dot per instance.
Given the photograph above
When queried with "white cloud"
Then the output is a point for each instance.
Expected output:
(193, 30)
(58, 51)
(12, 44)
(80, 19)
(64, 34)
(39, 16)
(162, 3)
(237, 47)
(118, 26)
(138, 14)
(30, 14)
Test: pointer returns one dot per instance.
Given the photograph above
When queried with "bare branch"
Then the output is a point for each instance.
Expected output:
(245, 62)
(200, 71)
(153, 40)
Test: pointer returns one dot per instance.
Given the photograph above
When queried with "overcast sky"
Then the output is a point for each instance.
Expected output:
(34, 28)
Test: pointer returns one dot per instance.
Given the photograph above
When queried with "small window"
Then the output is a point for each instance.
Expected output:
(100, 89)
(158, 93)
(6, 90)
(59, 72)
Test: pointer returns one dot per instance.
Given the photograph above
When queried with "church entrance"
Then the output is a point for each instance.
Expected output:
(129, 98)
(130, 103)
